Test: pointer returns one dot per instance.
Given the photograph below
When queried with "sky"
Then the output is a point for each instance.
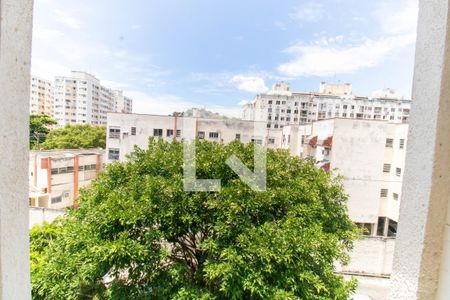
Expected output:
(172, 55)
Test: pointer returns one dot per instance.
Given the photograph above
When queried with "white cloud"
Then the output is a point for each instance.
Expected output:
(331, 56)
(158, 104)
(68, 20)
(252, 84)
(243, 102)
(310, 12)
(47, 69)
(398, 16)
(167, 104)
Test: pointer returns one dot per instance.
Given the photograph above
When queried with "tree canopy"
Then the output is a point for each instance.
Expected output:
(138, 235)
(39, 128)
(79, 136)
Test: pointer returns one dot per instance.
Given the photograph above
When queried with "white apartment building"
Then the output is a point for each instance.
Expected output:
(127, 130)
(369, 154)
(81, 99)
(41, 97)
(123, 104)
(55, 177)
(281, 106)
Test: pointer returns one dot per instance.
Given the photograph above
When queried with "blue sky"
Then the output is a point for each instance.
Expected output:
(173, 54)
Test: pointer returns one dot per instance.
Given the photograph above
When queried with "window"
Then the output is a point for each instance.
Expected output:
(213, 135)
(270, 101)
(169, 132)
(178, 133)
(238, 136)
(271, 141)
(133, 130)
(402, 144)
(56, 199)
(114, 133)
(381, 225)
(113, 154)
(395, 196)
(386, 168)
(201, 135)
(389, 143)
(268, 125)
(257, 141)
(398, 171)
(383, 193)
(278, 102)
(366, 227)
(157, 132)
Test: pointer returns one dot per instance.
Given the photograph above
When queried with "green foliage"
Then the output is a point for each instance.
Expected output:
(39, 128)
(80, 136)
(138, 235)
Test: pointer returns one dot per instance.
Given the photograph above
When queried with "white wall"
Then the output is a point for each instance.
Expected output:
(145, 124)
(15, 53)
(371, 256)
(39, 215)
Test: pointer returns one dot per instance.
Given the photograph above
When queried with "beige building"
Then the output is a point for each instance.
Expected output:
(369, 154)
(81, 99)
(41, 97)
(55, 177)
(127, 130)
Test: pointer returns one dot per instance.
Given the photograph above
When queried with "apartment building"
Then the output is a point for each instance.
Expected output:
(369, 154)
(55, 177)
(81, 99)
(281, 107)
(127, 130)
(122, 103)
(41, 97)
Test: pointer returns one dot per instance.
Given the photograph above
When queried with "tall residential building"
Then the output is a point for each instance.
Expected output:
(41, 97)
(81, 99)
(281, 106)
(123, 104)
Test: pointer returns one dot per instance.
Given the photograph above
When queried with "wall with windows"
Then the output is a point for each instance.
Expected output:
(124, 131)
(280, 109)
(57, 176)
(369, 154)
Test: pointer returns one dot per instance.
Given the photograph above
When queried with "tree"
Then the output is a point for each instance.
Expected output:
(138, 235)
(79, 136)
(39, 128)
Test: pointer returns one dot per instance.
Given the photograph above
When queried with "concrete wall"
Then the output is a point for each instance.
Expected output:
(422, 256)
(371, 256)
(15, 53)
(39, 215)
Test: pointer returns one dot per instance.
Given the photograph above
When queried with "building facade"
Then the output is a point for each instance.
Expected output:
(122, 103)
(81, 99)
(127, 130)
(41, 97)
(55, 177)
(369, 154)
(281, 107)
